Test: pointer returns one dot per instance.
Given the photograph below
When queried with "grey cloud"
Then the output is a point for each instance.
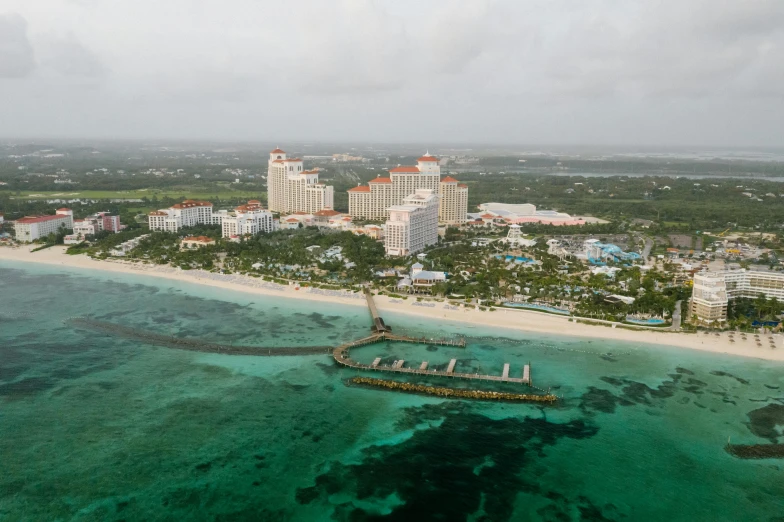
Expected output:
(17, 58)
(67, 56)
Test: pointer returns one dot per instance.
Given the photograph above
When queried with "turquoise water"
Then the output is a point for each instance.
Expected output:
(96, 427)
(648, 322)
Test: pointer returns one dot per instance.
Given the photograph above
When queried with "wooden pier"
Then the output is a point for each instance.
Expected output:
(342, 356)
(382, 332)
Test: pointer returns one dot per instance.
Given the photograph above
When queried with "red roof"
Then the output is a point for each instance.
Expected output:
(462, 186)
(449, 179)
(292, 220)
(61, 209)
(200, 239)
(381, 180)
(254, 202)
(427, 158)
(405, 169)
(327, 212)
(487, 216)
(291, 159)
(314, 171)
(38, 219)
(362, 188)
(277, 161)
(278, 151)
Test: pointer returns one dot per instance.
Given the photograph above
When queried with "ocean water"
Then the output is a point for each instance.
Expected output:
(97, 426)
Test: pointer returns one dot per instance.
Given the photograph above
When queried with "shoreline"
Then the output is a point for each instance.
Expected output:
(519, 320)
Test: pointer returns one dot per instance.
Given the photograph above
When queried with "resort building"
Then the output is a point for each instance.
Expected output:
(713, 290)
(31, 228)
(98, 222)
(290, 188)
(372, 201)
(189, 213)
(413, 225)
(248, 219)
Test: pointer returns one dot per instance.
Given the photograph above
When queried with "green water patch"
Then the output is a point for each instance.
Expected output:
(767, 422)
(467, 466)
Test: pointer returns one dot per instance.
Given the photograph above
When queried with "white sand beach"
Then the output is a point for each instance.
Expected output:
(529, 321)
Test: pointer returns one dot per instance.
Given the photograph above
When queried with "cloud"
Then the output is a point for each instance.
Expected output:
(67, 56)
(17, 58)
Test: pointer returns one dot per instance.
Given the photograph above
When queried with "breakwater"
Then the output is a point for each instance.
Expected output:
(457, 393)
(195, 345)
(756, 451)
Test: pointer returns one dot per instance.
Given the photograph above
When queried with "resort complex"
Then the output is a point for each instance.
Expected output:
(374, 200)
(713, 291)
(245, 219)
(503, 213)
(290, 188)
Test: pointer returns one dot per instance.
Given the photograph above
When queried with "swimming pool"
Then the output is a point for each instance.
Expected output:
(543, 308)
(645, 322)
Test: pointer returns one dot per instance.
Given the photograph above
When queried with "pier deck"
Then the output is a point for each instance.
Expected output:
(342, 355)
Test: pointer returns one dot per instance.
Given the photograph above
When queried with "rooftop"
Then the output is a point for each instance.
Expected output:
(405, 169)
(381, 180)
(361, 188)
(38, 219)
(448, 179)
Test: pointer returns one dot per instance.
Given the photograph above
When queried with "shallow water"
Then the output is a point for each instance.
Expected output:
(97, 427)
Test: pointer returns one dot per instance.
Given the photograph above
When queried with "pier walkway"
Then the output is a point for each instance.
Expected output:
(382, 333)
(342, 356)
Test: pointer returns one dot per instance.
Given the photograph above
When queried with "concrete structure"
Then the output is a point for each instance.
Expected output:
(123, 248)
(372, 201)
(290, 188)
(713, 290)
(248, 219)
(515, 239)
(413, 225)
(31, 228)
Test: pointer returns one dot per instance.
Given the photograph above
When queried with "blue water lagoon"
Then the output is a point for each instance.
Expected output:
(105, 425)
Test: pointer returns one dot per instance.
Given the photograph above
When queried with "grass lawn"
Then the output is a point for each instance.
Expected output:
(139, 194)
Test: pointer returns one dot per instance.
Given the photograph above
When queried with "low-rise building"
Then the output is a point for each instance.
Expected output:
(193, 242)
(31, 228)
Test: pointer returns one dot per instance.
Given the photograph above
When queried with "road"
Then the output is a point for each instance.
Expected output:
(676, 316)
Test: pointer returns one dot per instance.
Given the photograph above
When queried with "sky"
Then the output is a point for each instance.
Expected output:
(593, 72)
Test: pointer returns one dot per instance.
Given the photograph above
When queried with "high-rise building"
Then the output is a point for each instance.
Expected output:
(372, 201)
(290, 188)
(713, 290)
(453, 202)
(413, 225)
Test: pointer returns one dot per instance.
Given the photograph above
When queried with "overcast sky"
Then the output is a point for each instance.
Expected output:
(649, 72)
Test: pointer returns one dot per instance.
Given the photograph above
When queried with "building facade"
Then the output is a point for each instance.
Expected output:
(413, 225)
(291, 188)
(189, 213)
(713, 290)
(372, 201)
(31, 228)
(248, 219)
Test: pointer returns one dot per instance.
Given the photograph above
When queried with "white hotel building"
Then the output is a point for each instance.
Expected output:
(713, 290)
(413, 225)
(372, 201)
(246, 219)
(35, 227)
(290, 188)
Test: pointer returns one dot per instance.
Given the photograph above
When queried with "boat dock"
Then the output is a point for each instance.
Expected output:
(382, 333)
